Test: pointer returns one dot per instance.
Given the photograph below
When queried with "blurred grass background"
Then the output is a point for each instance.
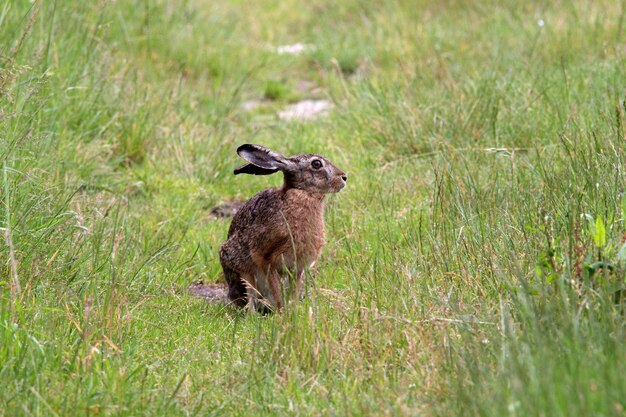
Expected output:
(475, 262)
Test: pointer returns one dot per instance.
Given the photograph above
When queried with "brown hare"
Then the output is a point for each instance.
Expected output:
(280, 231)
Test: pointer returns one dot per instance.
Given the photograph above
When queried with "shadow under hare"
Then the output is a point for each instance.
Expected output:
(280, 231)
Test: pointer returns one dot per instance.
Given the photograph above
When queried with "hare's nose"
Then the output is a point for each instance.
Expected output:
(344, 177)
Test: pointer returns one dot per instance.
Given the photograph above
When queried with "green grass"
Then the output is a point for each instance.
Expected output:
(474, 264)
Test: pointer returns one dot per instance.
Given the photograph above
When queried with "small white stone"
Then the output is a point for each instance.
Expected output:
(305, 110)
(294, 49)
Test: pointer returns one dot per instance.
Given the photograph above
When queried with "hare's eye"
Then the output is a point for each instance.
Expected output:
(317, 164)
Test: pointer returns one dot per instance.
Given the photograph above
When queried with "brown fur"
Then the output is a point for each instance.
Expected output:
(278, 232)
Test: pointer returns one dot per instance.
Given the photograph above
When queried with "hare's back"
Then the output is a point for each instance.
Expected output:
(258, 214)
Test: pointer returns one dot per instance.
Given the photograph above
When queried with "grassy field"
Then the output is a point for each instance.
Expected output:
(475, 263)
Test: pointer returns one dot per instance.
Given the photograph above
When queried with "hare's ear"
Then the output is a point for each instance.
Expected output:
(254, 170)
(264, 161)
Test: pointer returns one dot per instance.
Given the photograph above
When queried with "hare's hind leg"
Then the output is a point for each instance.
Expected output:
(237, 291)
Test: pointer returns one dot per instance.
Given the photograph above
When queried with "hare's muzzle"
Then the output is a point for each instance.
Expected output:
(339, 182)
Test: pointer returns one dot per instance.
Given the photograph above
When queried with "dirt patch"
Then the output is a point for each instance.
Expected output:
(227, 209)
(210, 292)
